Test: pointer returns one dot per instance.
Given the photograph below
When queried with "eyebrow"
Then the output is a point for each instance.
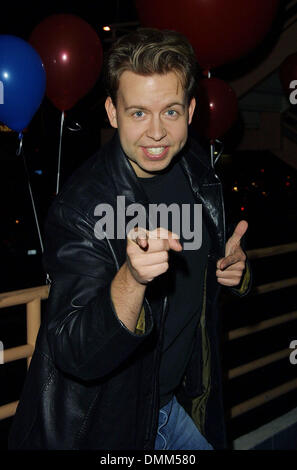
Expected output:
(144, 108)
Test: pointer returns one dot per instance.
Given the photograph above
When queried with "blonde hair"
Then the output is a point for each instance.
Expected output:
(148, 51)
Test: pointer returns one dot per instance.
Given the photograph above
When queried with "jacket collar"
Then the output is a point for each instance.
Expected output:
(122, 173)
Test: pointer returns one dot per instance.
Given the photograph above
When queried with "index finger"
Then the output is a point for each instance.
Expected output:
(227, 261)
(164, 234)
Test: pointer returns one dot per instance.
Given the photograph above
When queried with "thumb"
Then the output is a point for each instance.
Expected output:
(235, 238)
(139, 236)
(142, 239)
(239, 231)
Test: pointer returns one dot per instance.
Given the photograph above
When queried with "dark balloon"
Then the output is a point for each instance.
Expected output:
(23, 81)
(72, 55)
(216, 108)
(288, 73)
(220, 31)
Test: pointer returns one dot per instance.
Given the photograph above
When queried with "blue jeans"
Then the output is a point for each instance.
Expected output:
(176, 430)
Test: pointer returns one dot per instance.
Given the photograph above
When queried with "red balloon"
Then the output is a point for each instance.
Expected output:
(219, 30)
(216, 108)
(72, 54)
(288, 72)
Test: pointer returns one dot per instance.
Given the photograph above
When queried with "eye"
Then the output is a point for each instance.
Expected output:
(138, 114)
(171, 113)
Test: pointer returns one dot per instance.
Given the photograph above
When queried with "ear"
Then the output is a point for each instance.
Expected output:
(192, 106)
(111, 112)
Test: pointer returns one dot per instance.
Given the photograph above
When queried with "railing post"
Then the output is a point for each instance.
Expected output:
(33, 322)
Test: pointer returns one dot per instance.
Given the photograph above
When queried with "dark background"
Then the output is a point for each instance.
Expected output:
(266, 198)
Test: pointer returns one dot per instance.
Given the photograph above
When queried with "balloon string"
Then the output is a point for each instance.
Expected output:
(220, 151)
(60, 147)
(21, 152)
(212, 148)
(212, 153)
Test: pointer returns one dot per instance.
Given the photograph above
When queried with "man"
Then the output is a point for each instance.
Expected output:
(128, 349)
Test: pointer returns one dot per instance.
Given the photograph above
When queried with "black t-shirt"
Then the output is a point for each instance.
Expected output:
(183, 281)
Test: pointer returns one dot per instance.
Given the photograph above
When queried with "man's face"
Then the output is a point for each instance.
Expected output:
(152, 117)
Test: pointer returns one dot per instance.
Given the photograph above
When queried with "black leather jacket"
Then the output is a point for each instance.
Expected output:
(92, 383)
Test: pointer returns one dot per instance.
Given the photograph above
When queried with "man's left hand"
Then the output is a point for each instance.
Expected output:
(230, 269)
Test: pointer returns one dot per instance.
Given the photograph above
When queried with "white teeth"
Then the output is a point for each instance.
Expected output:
(155, 150)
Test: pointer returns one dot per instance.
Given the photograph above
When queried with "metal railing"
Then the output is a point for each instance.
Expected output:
(32, 299)
(284, 388)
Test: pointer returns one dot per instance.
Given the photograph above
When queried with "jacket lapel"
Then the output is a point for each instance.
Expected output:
(208, 190)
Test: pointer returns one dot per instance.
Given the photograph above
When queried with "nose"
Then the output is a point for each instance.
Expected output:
(156, 129)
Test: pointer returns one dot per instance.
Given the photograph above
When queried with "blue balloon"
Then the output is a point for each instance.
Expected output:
(22, 82)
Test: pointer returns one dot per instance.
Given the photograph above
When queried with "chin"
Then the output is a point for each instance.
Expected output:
(158, 166)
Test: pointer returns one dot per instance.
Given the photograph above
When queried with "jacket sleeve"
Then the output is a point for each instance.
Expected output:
(245, 286)
(86, 338)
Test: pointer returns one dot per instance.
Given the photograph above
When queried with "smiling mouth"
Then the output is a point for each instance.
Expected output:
(155, 153)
